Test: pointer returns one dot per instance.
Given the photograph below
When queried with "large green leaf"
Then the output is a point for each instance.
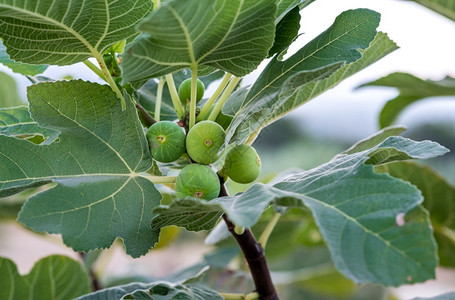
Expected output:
(279, 89)
(439, 200)
(8, 91)
(412, 89)
(160, 290)
(18, 123)
(444, 7)
(355, 209)
(66, 32)
(231, 35)
(54, 277)
(97, 162)
(24, 69)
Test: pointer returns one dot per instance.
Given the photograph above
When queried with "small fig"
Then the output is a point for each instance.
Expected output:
(166, 140)
(242, 164)
(204, 140)
(185, 91)
(197, 181)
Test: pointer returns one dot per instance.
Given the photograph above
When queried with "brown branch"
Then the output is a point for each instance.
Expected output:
(254, 255)
(146, 117)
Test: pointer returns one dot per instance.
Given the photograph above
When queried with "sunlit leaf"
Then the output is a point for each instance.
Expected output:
(279, 89)
(100, 194)
(66, 32)
(8, 92)
(17, 67)
(18, 123)
(231, 35)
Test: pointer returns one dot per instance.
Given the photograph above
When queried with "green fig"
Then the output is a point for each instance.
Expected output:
(197, 181)
(204, 140)
(185, 91)
(242, 164)
(166, 140)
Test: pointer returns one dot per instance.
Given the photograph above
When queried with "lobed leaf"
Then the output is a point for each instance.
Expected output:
(100, 193)
(286, 31)
(66, 32)
(54, 277)
(350, 40)
(439, 200)
(230, 35)
(446, 296)
(412, 89)
(18, 123)
(356, 211)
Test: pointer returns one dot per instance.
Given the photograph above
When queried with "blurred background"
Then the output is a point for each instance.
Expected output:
(309, 136)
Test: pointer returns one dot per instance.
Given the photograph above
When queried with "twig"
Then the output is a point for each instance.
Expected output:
(254, 255)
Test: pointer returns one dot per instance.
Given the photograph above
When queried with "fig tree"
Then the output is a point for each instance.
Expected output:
(204, 140)
(185, 91)
(242, 164)
(197, 181)
(166, 140)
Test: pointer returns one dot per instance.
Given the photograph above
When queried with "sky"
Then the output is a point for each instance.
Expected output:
(426, 50)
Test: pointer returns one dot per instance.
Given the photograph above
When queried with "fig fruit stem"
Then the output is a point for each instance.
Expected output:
(193, 99)
(109, 79)
(94, 68)
(254, 255)
(174, 96)
(159, 97)
(268, 230)
(159, 179)
(226, 94)
(214, 96)
(251, 296)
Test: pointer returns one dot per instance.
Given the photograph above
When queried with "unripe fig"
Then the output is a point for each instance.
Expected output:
(197, 181)
(242, 164)
(204, 140)
(185, 91)
(166, 140)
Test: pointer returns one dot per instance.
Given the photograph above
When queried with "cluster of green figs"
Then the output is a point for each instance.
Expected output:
(168, 141)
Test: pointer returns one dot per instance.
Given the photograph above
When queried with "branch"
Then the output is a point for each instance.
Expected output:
(254, 255)
(146, 117)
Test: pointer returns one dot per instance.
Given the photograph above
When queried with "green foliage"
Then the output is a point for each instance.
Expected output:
(17, 67)
(439, 201)
(359, 220)
(90, 142)
(18, 123)
(8, 91)
(412, 89)
(282, 86)
(230, 35)
(54, 277)
(100, 146)
(83, 29)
